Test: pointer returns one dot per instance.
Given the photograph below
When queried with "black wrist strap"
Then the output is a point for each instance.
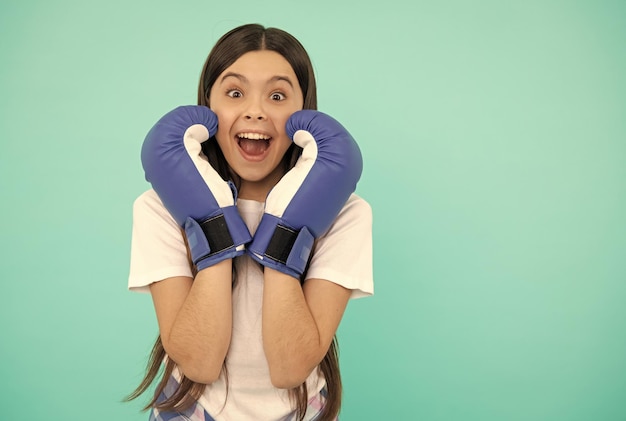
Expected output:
(217, 234)
(281, 243)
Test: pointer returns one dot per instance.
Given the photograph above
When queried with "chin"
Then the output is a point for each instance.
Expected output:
(252, 175)
(265, 176)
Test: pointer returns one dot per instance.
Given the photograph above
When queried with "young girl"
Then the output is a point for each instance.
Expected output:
(251, 247)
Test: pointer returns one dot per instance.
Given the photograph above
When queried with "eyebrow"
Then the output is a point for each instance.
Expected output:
(245, 79)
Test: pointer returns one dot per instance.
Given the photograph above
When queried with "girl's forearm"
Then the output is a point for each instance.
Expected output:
(291, 339)
(200, 335)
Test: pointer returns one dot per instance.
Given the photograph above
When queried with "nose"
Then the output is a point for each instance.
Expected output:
(255, 111)
(255, 116)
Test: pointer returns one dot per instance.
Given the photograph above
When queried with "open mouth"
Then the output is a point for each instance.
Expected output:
(253, 144)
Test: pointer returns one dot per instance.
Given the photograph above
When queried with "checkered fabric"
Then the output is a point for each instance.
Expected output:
(197, 413)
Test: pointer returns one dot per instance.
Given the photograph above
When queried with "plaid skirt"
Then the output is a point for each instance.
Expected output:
(197, 413)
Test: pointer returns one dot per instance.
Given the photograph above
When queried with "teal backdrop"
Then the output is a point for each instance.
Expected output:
(493, 136)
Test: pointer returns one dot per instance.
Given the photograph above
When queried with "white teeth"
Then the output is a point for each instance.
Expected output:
(253, 136)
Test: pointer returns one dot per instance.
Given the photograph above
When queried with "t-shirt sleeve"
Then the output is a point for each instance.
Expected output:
(343, 254)
(158, 249)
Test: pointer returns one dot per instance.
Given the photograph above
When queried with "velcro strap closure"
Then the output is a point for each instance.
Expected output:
(217, 234)
(281, 243)
(290, 247)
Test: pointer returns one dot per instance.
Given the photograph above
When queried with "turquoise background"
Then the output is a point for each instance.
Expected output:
(493, 136)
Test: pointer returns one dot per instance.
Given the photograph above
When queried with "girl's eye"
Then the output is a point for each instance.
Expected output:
(234, 93)
(277, 96)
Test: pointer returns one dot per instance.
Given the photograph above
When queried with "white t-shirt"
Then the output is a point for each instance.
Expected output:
(342, 255)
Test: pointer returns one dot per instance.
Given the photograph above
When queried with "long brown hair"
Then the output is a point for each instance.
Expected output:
(227, 50)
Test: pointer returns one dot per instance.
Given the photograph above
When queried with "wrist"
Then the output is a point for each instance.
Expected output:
(218, 271)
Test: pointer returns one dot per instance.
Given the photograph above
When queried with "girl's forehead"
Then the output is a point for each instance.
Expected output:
(262, 61)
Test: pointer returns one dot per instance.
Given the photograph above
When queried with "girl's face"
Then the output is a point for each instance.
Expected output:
(253, 98)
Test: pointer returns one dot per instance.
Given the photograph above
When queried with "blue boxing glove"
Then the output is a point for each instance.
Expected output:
(192, 191)
(309, 197)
